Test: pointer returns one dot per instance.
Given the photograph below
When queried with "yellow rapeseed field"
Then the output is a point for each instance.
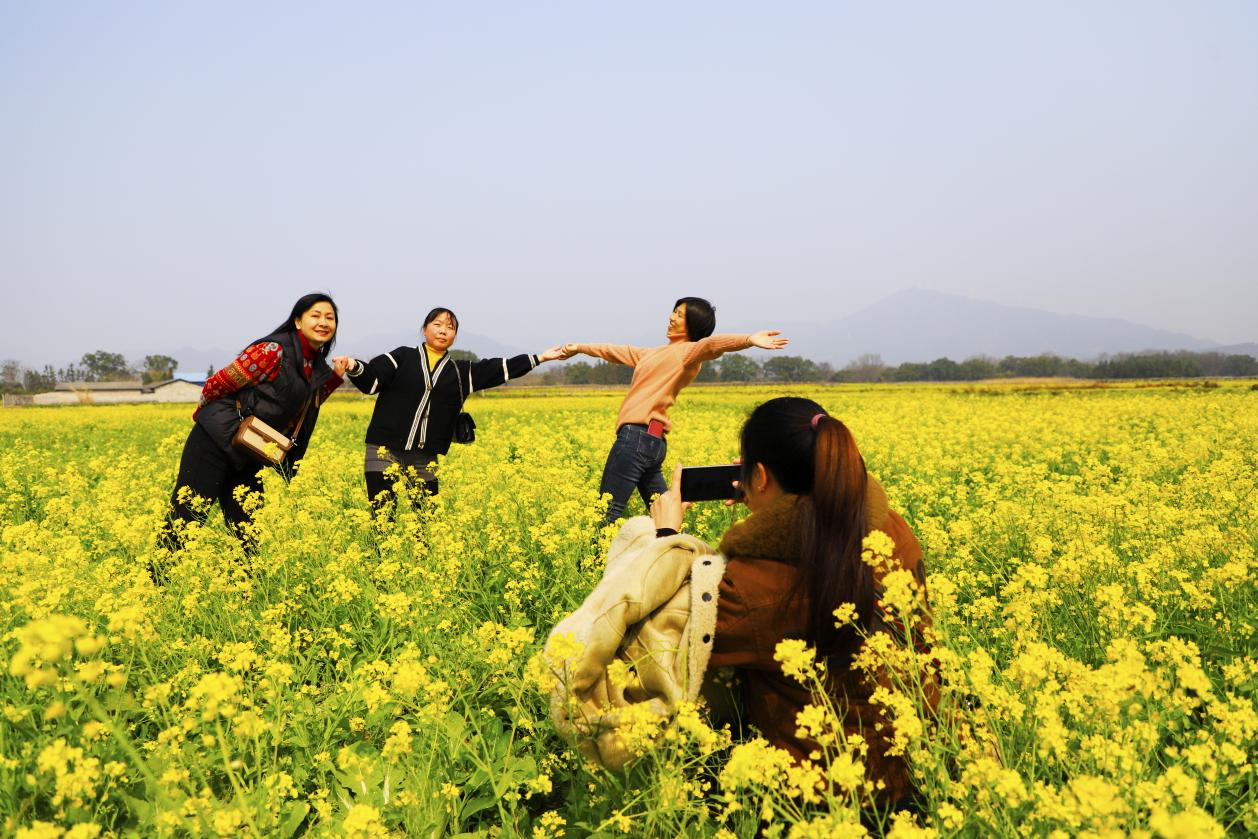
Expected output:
(1090, 560)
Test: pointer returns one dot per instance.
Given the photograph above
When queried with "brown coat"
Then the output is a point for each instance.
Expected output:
(762, 553)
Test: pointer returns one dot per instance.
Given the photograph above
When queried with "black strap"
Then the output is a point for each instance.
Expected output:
(458, 377)
(300, 419)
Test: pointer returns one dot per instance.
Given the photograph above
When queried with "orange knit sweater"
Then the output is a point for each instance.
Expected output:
(659, 373)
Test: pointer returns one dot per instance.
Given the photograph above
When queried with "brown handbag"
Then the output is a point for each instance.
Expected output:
(262, 442)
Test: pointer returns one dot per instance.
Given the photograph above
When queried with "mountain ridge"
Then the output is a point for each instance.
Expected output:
(910, 325)
(919, 325)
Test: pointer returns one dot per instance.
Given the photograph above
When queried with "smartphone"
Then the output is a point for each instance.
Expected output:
(709, 483)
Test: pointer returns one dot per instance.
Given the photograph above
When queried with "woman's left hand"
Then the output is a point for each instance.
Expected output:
(668, 510)
(552, 354)
(767, 339)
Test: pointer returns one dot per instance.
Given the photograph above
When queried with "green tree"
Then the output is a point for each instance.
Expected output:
(102, 366)
(603, 373)
(463, 355)
(736, 367)
(909, 371)
(1039, 366)
(868, 367)
(708, 373)
(578, 373)
(41, 382)
(943, 370)
(1240, 365)
(10, 374)
(1148, 366)
(790, 368)
(978, 367)
(158, 368)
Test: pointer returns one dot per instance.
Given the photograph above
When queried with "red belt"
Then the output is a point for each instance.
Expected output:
(655, 428)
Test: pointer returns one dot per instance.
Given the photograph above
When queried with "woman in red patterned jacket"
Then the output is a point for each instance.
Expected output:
(275, 379)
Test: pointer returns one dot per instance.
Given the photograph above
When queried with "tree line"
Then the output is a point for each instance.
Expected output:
(99, 366)
(871, 368)
(102, 366)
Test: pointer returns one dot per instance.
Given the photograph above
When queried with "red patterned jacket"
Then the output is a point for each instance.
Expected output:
(259, 363)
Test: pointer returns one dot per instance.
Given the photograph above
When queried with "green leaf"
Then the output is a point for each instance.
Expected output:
(475, 805)
(297, 812)
(142, 810)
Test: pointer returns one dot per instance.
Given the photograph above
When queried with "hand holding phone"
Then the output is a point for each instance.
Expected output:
(710, 483)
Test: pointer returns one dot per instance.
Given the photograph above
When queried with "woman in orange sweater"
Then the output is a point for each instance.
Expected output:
(659, 374)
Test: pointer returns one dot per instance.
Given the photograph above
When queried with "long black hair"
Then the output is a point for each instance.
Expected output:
(818, 460)
(303, 305)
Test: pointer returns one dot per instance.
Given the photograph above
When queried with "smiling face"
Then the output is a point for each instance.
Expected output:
(317, 324)
(677, 322)
(440, 332)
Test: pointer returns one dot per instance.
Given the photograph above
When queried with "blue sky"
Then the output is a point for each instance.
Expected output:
(176, 174)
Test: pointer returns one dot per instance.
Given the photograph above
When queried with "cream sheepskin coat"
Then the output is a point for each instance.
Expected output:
(655, 611)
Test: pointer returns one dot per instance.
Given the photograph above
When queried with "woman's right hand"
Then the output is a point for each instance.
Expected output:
(569, 350)
(668, 510)
(738, 487)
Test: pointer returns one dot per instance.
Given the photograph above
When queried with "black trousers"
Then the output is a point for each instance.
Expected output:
(381, 493)
(211, 475)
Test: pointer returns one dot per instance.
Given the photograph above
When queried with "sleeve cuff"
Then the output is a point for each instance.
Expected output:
(356, 370)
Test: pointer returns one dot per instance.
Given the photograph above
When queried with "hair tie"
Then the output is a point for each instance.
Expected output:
(816, 419)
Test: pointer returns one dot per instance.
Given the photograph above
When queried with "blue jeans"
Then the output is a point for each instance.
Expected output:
(634, 462)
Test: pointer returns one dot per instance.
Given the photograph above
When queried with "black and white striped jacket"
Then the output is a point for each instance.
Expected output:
(416, 409)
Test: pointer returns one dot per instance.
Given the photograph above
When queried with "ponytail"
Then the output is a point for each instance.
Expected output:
(814, 455)
(831, 567)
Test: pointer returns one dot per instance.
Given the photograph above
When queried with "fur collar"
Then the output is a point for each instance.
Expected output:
(771, 533)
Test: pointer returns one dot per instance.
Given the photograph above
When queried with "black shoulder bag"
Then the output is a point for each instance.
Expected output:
(464, 425)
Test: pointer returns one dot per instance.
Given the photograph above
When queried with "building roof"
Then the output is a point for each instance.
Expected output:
(156, 385)
(139, 387)
(99, 386)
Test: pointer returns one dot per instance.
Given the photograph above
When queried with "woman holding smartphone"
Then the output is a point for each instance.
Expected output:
(787, 568)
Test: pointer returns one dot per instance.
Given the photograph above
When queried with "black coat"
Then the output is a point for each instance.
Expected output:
(277, 402)
(417, 409)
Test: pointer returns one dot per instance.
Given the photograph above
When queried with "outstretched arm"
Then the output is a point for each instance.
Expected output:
(615, 353)
(767, 339)
(491, 372)
(370, 376)
(715, 346)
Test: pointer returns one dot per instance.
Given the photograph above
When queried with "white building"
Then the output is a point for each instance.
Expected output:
(111, 393)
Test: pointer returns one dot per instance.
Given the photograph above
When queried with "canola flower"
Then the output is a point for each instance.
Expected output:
(1090, 569)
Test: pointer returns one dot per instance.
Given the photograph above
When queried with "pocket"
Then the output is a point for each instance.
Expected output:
(650, 449)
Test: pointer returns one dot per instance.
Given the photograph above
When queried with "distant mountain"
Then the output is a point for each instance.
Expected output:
(1238, 349)
(483, 346)
(201, 358)
(919, 325)
(910, 325)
